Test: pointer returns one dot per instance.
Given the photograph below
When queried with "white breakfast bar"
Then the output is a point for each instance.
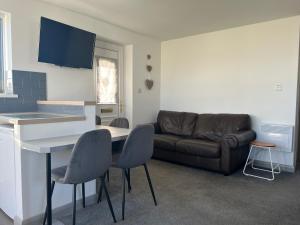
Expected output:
(31, 144)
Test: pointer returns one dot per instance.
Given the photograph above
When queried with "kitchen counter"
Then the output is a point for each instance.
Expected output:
(37, 118)
(25, 171)
(74, 103)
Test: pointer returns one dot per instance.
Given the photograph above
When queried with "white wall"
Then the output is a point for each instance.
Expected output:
(77, 84)
(235, 71)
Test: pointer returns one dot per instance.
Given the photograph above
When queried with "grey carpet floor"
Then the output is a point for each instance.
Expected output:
(188, 196)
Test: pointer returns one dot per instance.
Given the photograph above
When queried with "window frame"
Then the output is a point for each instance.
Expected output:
(6, 55)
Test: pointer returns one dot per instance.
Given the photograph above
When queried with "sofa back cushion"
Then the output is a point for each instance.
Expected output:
(178, 123)
(214, 126)
(170, 122)
(188, 123)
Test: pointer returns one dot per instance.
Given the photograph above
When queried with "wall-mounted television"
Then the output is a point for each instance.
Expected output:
(64, 45)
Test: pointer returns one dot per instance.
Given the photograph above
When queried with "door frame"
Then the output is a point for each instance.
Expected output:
(297, 122)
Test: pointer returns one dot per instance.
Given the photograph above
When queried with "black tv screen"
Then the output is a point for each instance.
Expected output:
(64, 45)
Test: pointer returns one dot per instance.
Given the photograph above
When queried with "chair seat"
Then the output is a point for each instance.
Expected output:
(197, 147)
(58, 174)
(166, 141)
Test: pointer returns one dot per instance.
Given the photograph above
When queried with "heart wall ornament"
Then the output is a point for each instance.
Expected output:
(149, 83)
(149, 68)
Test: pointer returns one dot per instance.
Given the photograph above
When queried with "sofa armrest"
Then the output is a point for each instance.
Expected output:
(239, 139)
(235, 149)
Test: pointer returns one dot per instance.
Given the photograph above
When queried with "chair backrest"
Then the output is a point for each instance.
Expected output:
(91, 157)
(120, 122)
(98, 120)
(138, 147)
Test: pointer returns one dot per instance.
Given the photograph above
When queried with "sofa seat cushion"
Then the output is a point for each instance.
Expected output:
(166, 141)
(197, 147)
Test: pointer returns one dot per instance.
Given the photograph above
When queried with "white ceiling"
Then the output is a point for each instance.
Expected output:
(169, 19)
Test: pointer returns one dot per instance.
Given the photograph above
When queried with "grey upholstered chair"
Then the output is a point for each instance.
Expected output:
(90, 159)
(120, 122)
(98, 120)
(137, 151)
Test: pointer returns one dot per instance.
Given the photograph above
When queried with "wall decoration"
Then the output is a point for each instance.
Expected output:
(149, 82)
(149, 68)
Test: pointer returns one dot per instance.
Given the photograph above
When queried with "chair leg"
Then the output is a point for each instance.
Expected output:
(101, 189)
(83, 195)
(108, 199)
(150, 183)
(74, 204)
(107, 173)
(128, 180)
(123, 201)
(127, 174)
(45, 214)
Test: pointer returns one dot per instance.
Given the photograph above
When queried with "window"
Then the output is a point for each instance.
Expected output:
(107, 81)
(1, 57)
(6, 87)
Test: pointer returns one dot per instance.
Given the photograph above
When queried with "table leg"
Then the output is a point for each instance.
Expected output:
(48, 177)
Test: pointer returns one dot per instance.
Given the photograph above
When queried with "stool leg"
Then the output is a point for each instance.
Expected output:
(246, 164)
(253, 160)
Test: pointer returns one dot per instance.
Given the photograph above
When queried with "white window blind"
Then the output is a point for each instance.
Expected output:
(6, 85)
(1, 57)
(107, 81)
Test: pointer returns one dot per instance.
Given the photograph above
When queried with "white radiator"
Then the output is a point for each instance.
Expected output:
(278, 134)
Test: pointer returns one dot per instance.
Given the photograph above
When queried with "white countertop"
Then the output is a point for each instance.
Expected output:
(25, 118)
(48, 145)
(76, 103)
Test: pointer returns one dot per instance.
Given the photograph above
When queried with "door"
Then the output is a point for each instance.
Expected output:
(109, 81)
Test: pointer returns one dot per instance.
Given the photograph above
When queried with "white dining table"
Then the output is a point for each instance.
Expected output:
(49, 145)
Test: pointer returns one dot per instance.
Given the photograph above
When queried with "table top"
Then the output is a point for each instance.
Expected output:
(47, 145)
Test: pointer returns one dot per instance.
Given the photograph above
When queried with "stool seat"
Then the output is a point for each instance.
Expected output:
(263, 144)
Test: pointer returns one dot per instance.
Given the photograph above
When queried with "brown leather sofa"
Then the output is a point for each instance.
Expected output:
(218, 142)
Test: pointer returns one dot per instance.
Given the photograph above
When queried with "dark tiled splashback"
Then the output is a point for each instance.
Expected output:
(30, 87)
(63, 109)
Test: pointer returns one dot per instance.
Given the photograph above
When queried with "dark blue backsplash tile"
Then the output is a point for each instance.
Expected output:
(30, 87)
(64, 109)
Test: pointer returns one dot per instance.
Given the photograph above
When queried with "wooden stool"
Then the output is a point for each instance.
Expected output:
(261, 146)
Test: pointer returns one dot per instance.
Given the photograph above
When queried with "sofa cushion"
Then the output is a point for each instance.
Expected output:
(166, 141)
(214, 126)
(198, 147)
(170, 122)
(178, 123)
(188, 123)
